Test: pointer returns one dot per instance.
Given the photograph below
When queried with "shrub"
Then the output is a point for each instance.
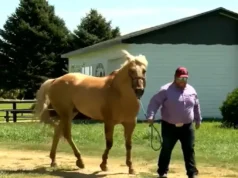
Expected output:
(11, 94)
(229, 109)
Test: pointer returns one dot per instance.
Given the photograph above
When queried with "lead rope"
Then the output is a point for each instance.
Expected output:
(152, 128)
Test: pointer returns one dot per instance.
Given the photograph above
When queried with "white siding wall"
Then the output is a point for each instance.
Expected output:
(213, 71)
(98, 56)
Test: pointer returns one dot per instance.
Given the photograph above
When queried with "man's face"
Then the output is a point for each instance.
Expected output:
(181, 81)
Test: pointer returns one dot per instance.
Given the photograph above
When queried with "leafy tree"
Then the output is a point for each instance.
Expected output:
(33, 38)
(94, 28)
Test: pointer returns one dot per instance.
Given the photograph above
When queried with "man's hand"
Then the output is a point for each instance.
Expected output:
(150, 120)
(197, 125)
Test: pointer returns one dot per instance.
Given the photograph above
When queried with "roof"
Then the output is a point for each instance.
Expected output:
(119, 39)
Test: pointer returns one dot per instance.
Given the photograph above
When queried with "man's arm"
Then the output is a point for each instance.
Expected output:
(155, 103)
(197, 111)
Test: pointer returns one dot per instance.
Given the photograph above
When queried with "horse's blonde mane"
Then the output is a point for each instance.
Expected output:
(139, 58)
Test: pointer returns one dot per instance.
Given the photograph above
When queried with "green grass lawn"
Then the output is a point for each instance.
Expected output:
(213, 144)
(9, 106)
(19, 106)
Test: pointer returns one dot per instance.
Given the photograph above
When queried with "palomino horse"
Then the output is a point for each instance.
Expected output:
(44, 110)
(112, 99)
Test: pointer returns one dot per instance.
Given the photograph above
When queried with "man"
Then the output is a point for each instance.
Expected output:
(180, 107)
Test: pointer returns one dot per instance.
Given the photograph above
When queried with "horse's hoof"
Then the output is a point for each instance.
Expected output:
(103, 167)
(53, 164)
(131, 171)
(80, 164)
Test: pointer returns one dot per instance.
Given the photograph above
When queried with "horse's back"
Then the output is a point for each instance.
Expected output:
(90, 96)
(85, 93)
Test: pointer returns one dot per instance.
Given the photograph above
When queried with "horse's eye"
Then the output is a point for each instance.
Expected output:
(144, 71)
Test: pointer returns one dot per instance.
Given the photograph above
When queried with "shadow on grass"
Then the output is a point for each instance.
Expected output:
(59, 172)
(226, 126)
(139, 121)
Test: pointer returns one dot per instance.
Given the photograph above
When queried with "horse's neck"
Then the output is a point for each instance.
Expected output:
(122, 83)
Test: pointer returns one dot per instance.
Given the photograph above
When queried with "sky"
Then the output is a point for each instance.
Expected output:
(131, 15)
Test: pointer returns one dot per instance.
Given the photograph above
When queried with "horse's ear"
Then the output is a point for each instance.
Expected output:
(128, 56)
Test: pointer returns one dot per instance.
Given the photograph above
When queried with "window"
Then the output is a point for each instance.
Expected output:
(88, 70)
(76, 68)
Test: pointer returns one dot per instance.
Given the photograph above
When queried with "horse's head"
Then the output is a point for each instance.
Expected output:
(136, 69)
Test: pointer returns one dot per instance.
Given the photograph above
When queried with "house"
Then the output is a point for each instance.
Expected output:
(206, 43)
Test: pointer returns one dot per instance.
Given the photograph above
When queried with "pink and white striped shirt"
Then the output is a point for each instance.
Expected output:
(177, 105)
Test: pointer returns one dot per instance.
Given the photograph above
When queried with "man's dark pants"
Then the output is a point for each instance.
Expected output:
(170, 135)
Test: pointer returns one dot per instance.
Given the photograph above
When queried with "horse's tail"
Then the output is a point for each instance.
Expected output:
(42, 103)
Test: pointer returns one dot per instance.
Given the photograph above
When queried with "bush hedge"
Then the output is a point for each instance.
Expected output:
(229, 109)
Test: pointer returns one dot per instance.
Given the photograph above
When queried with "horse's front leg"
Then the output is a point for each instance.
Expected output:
(128, 131)
(108, 129)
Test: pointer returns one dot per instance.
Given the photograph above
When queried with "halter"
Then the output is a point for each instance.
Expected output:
(135, 80)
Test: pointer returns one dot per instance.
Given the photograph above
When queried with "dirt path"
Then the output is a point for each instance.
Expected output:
(35, 162)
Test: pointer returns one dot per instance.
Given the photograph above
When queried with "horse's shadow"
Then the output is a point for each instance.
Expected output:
(59, 173)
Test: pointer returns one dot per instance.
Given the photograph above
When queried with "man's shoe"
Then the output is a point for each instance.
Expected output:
(193, 176)
(163, 176)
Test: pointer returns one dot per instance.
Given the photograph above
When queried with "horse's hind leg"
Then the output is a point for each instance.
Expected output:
(128, 131)
(68, 136)
(108, 129)
(56, 137)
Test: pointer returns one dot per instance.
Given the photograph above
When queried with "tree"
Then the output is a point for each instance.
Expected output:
(93, 29)
(32, 41)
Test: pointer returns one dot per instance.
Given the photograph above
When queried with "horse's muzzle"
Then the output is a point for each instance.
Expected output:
(139, 92)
